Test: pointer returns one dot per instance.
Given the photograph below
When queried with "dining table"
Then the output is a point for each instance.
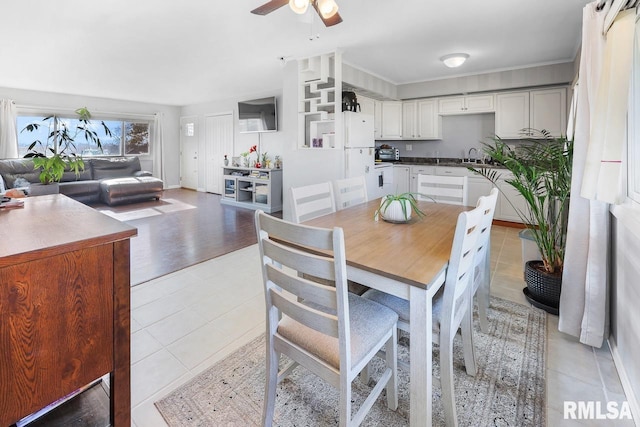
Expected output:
(408, 260)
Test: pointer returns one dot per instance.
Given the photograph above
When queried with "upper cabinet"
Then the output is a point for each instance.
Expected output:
(472, 104)
(518, 112)
(391, 120)
(420, 120)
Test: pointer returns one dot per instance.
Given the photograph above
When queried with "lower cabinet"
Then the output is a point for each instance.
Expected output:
(402, 179)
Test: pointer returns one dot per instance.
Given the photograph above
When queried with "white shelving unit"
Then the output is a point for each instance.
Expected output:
(320, 91)
(253, 188)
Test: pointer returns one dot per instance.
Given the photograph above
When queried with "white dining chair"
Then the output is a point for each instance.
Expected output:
(331, 332)
(452, 307)
(311, 201)
(350, 192)
(482, 272)
(443, 189)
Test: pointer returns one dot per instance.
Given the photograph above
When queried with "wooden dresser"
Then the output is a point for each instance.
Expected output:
(64, 305)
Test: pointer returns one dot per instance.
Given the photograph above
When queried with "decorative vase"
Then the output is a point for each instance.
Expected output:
(226, 161)
(543, 289)
(395, 212)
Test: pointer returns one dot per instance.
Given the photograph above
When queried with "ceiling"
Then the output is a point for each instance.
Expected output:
(188, 52)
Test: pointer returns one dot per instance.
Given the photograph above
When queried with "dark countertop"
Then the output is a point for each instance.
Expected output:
(442, 162)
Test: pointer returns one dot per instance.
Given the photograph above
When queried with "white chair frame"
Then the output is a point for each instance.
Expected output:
(320, 314)
(482, 273)
(456, 307)
(311, 201)
(350, 192)
(443, 189)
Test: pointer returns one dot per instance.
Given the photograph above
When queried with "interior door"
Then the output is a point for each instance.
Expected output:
(218, 143)
(189, 152)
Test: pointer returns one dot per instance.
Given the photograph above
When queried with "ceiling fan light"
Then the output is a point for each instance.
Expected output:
(299, 6)
(327, 8)
(454, 60)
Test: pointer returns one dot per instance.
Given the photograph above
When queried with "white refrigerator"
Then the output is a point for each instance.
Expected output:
(359, 151)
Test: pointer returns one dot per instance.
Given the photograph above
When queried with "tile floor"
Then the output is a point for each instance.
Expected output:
(184, 322)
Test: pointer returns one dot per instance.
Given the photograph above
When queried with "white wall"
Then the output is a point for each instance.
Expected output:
(270, 142)
(459, 134)
(171, 124)
(625, 300)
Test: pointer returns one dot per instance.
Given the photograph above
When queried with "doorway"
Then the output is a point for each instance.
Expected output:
(218, 143)
(189, 152)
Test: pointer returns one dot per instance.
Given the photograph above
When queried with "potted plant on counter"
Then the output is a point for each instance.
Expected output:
(397, 208)
(541, 174)
(59, 152)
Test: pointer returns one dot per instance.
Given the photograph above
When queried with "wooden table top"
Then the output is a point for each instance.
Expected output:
(53, 224)
(413, 253)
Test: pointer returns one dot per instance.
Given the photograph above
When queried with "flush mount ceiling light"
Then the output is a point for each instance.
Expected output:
(454, 60)
(327, 9)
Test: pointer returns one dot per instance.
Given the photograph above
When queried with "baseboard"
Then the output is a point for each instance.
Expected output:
(508, 224)
(626, 384)
(172, 187)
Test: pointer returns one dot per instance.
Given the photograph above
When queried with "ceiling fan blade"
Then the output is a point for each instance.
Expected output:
(328, 22)
(269, 7)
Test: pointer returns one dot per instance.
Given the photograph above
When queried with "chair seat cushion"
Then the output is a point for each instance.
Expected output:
(401, 306)
(369, 323)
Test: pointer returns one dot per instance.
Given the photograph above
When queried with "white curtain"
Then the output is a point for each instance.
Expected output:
(8, 131)
(584, 297)
(158, 159)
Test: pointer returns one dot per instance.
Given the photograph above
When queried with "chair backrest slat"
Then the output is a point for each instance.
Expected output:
(312, 201)
(350, 192)
(444, 189)
(304, 288)
(319, 320)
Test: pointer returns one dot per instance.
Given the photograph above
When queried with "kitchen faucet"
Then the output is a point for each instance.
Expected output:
(473, 159)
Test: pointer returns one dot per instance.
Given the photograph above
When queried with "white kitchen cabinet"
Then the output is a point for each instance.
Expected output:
(478, 187)
(415, 171)
(373, 107)
(391, 120)
(472, 104)
(401, 179)
(549, 111)
(420, 120)
(517, 112)
(512, 114)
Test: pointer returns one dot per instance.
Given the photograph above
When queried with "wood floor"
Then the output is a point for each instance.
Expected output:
(166, 242)
(171, 241)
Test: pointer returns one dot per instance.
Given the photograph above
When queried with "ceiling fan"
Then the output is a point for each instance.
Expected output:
(326, 9)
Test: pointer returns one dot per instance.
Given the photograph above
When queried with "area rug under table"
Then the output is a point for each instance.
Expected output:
(508, 389)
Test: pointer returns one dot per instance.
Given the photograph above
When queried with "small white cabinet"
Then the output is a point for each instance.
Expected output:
(472, 104)
(253, 188)
(391, 120)
(401, 179)
(517, 112)
(420, 120)
(417, 170)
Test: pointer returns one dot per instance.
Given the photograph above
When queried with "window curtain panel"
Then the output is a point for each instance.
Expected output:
(583, 300)
(603, 178)
(158, 158)
(8, 131)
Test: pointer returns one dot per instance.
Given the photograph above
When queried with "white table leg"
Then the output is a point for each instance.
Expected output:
(421, 357)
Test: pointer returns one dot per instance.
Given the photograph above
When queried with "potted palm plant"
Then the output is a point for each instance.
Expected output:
(58, 153)
(541, 171)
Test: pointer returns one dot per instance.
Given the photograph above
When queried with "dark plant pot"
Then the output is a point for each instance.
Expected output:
(543, 289)
(44, 189)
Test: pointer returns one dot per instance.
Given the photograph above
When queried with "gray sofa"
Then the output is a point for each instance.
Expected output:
(112, 180)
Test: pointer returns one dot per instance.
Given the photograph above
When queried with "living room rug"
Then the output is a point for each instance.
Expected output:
(164, 206)
(508, 389)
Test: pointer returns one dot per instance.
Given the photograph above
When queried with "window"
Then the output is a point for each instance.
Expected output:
(128, 137)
